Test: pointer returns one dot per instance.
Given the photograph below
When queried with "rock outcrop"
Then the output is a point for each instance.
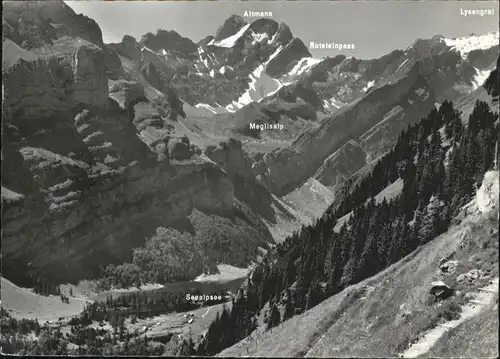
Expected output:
(448, 267)
(230, 156)
(230, 27)
(180, 149)
(89, 190)
(284, 61)
(126, 93)
(471, 276)
(90, 80)
(440, 290)
(169, 41)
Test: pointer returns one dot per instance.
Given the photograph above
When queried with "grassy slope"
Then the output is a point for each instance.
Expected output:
(22, 303)
(392, 190)
(11, 53)
(366, 320)
(310, 200)
(475, 338)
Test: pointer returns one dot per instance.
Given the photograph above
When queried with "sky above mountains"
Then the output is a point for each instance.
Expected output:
(375, 28)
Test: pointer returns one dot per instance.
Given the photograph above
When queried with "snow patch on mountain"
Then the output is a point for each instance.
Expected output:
(368, 86)
(466, 44)
(231, 40)
(145, 48)
(212, 109)
(259, 37)
(261, 85)
(479, 78)
(205, 62)
(273, 55)
(302, 66)
(203, 110)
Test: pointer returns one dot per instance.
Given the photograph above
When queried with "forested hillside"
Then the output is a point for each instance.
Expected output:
(441, 161)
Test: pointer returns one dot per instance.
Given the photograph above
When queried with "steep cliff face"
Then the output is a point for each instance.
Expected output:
(229, 155)
(52, 84)
(24, 16)
(84, 226)
(287, 58)
(92, 189)
(125, 93)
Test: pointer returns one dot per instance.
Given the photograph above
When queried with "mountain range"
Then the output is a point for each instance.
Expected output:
(367, 226)
(110, 148)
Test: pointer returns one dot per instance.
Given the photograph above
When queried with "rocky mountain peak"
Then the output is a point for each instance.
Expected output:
(264, 26)
(231, 26)
(129, 39)
(284, 61)
(284, 34)
(203, 42)
(428, 47)
(168, 41)
(33, 24)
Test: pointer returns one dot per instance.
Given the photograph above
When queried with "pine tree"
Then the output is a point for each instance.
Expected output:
(431, 226)
(274, 317)
(288, 305)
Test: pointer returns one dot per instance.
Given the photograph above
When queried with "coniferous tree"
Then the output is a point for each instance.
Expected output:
(289, 309)
(274, 317)
(431, 221)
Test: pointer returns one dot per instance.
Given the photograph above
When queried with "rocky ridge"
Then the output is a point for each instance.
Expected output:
(396, 99)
